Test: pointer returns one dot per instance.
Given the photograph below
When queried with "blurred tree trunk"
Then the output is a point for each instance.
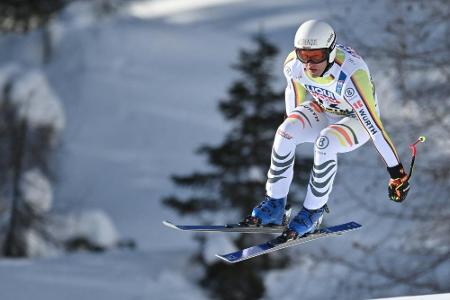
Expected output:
(47, 47)
(15, 245)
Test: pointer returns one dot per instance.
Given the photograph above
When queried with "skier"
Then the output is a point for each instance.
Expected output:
(342, 117)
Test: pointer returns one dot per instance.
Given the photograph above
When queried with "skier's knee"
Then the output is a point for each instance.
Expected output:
(288, 129)
(326, 142)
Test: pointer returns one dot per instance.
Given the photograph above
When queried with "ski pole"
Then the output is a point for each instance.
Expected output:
(421, 139)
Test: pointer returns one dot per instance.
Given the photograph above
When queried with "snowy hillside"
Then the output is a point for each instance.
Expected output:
(112, 276)
(140, 89)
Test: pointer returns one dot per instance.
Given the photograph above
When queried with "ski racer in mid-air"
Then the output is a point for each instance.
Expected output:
(342, 116)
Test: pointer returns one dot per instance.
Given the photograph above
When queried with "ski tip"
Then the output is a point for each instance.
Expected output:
(225, 259)
(170, 224)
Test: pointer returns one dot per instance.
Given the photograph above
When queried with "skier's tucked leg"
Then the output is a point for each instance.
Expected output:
(343, 136)
(302, 125)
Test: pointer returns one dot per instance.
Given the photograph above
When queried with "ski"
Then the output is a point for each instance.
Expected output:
(228, 228)
(277, 243)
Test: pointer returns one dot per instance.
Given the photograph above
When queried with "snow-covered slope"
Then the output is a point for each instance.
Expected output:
(111, 276)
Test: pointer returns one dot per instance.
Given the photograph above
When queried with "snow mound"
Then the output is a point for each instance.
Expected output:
(36, 191)
(96, 227)
(36, 101)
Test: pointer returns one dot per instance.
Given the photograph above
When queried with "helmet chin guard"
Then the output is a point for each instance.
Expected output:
(314, 34)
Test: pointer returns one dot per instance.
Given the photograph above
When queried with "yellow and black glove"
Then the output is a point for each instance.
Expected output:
(398, 184)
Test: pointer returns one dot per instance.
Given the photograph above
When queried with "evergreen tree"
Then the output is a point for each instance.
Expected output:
(236, 180)
(23, 147)
(26, 15)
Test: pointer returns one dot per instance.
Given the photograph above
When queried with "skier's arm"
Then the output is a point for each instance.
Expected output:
(295, 93)
(360, 94)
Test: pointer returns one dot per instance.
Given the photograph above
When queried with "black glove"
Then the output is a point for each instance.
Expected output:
(398, 184)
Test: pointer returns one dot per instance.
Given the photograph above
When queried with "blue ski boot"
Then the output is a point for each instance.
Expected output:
(306, 221)
(269, 212)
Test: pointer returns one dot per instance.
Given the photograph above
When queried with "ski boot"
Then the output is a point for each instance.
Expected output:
(269, 212)
(305, 222)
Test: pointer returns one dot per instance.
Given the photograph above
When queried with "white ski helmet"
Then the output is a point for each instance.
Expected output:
(314, 34)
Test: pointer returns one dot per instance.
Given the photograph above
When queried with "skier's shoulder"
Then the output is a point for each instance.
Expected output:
(349, 60)
(290, 58)
(289, 64)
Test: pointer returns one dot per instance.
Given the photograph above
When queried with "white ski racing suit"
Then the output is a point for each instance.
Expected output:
(343, 116)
